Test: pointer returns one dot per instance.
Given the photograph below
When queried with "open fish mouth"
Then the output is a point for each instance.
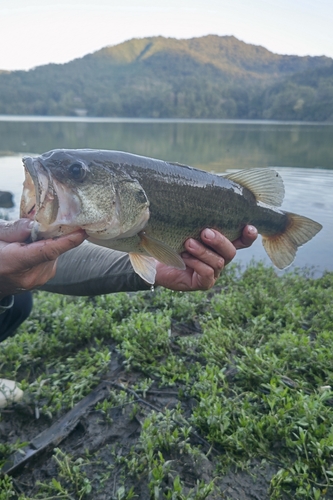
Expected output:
(40, 202)
(35, 187)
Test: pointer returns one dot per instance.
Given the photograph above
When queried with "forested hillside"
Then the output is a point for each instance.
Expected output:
(303, 96)
(207, 77)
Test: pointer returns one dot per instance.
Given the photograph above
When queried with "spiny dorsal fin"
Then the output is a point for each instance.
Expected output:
(144, 266)
(161, 251)
(266, 184)
(282, 247)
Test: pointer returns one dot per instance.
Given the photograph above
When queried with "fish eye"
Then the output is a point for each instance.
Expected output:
(76, 172)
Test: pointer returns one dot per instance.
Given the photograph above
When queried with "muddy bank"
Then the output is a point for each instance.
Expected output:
(103, 443)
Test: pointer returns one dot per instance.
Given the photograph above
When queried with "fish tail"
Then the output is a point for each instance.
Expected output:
(282, 248)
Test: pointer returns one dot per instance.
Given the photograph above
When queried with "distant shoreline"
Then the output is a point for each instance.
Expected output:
(96, 119)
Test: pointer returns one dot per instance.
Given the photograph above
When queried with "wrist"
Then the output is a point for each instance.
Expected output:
(6, 303)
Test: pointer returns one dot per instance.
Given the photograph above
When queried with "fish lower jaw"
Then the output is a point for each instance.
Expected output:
(40, 232)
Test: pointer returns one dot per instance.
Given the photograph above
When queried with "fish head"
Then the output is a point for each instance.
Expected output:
(67, 190)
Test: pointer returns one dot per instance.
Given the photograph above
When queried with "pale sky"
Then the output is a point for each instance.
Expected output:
(36, 32)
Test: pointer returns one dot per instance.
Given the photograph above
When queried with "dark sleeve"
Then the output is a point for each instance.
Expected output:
(93, 270)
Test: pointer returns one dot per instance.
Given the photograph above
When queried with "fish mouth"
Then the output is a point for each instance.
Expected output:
(35, 187)
(41, 199)
(35, 196)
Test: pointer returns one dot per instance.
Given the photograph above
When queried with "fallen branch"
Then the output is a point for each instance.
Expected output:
(53, 436)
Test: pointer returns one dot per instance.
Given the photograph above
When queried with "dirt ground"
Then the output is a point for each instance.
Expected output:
(106, 439)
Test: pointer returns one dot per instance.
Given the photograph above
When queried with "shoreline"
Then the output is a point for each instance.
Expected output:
(96, 119)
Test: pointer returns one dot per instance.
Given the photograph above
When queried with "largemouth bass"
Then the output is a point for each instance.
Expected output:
(149, 208)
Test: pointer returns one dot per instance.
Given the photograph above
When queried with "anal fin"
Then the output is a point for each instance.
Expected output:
(144, 266)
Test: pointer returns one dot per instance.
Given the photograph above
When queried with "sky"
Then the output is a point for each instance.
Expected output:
(36, 32)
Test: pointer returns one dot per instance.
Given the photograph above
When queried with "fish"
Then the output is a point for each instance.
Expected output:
(148, 208)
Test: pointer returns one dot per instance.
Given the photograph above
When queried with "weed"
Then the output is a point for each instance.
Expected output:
(258, 376)
(73, 481)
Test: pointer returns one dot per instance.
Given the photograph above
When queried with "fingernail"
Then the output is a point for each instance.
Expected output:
(193, 244)
(251, 229)
(31, 224)
(209, 234)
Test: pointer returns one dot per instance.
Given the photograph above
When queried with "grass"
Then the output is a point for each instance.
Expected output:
(249, 366)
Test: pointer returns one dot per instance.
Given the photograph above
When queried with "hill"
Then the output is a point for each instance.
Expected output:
(207, 77)
(227, 54)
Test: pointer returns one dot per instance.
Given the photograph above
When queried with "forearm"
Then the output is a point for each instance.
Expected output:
(94, 270)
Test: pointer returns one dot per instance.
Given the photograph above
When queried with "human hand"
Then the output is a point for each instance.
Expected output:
(204, 262)
(24, 266)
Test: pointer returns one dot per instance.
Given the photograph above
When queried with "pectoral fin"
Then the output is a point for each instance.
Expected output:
(161, 251)
(144, 266)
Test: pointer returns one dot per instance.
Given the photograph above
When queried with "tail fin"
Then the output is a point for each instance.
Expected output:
(282, 248)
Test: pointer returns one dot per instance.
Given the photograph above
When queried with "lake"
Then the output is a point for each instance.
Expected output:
(301, 152)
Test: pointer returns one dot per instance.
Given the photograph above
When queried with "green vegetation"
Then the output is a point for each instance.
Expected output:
(206, 390)
(207, 77)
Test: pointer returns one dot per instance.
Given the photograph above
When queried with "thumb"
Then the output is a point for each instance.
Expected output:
(18, 230)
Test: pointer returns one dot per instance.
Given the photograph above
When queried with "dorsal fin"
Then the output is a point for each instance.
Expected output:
(266, 184)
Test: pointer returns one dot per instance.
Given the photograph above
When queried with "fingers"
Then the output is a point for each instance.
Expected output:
(203, 257)
(47, 250)
(248, 236)
(18, 230)
(204, 260)
(219, 243)
(19, 257)
(26, 266)
(203, 276)
(218, 252)
(207, 259)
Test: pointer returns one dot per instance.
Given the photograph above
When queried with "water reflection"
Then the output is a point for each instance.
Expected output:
(216, 146)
